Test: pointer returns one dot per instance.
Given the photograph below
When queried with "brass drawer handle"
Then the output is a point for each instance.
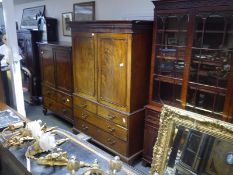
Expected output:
(110, 129)
(84, 127)
(65, 100)
(111, 117)
(110, 141)
(83, 105)
(84, 116)
(64, 111)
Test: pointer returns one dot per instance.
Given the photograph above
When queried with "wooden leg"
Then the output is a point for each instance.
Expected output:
(45, 110)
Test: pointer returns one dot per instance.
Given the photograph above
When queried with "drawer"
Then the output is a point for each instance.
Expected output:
(113, 116)
(101, 123)
(85, 104)
(64, 111)
(58, 108)
(48, 92)
(64, 99)
(152, 117)
(50, 104)
(105, 138)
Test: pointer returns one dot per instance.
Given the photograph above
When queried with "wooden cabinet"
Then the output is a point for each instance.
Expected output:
(30, 63)
(191, 63)
(57, 83)
(111, 73)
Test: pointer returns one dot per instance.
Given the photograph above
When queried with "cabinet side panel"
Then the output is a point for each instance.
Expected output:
(141, 51)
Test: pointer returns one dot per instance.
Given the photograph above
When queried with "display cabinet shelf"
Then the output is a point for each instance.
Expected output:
(173, 31)
(168, 79)
(211, 63)
(214, 31)
(206, 88)
(167, 45)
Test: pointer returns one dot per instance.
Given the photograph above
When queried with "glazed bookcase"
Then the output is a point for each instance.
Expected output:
(192, 58)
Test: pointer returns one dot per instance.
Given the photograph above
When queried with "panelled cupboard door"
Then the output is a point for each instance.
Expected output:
(84, 65)
(46, 57)
(63, 69)
(114, 66)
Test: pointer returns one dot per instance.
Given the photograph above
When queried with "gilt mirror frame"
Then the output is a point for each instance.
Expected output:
(171, 117)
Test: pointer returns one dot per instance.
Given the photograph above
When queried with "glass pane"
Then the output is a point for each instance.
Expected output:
(171, 30)
(210, 63)
(210, 67)
(167, 93)
(171, 43)
(205, 103)
(170, 61)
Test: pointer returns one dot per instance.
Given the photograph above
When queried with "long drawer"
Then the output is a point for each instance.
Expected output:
(64, 99)
(112, 128)
(58, 96)
(85, 104)
(49, 92)
(103, 137)
(113, 116)
(58, 108)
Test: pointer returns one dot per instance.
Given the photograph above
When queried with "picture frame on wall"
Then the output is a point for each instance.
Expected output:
(84, 11)
(30, 17)
(66, 17)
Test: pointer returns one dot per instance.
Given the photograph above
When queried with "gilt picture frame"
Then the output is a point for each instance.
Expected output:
(171, 117)
(84, 11)
(66, 17)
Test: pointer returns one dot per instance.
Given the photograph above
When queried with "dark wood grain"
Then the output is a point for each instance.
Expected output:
(122, 50)
(57, 81)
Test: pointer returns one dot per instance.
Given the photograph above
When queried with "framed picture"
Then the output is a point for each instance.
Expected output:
(66, 17)
(30, 16)
(84, 11)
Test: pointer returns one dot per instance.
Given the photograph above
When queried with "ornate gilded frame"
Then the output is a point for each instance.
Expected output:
(169, 118)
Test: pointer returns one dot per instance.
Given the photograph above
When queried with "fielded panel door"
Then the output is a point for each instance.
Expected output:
(84, 64)
(114, 64)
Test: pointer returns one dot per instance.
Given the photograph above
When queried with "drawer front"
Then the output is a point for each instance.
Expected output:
(64, 111)
(85, 104)
(103, 137)
(64, 99)
(152, 117)
(49, 93)
(113, 116)
(105, 125)
(58, 108)
(50, 104)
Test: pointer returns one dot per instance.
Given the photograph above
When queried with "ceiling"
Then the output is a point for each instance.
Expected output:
(25, 1)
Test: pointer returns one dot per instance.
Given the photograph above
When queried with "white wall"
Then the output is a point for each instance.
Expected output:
(105, 10)
(1, 17)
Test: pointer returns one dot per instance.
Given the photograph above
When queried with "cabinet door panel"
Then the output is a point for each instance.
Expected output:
(84, 65)
(63, 69)
(112, 59)
(47, 65)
